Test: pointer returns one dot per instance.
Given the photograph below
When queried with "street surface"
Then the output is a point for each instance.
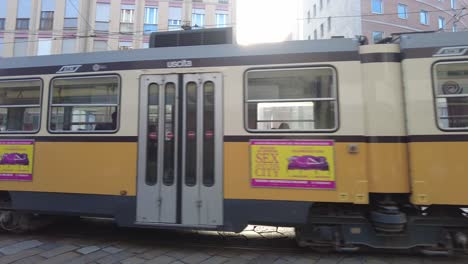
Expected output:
(100, 241)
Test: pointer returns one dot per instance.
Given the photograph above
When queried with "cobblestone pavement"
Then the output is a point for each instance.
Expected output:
(99, 241)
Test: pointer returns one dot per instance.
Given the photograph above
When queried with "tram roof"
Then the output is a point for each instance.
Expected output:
(224, 51)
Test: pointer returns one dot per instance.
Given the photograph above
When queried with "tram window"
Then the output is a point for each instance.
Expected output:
(85, 104)
(20, 106)
(451, 90)
(284, 100)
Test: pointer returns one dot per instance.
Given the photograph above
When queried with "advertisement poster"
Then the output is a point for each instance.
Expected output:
(16, 160)
(307, 164)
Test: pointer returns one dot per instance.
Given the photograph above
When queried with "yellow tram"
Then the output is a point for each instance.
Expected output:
(351, 144)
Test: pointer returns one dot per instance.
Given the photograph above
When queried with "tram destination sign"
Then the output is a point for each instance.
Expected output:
(16, 160)
(305, 164)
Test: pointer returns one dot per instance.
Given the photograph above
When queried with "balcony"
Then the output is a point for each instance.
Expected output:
(126, 28)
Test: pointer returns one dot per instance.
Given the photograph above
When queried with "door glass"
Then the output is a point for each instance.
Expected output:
(208, 133)
(152, 135)
(169, 130)
(190, 135)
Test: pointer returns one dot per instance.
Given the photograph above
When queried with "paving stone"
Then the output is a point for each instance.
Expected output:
(57, 251)
(195, 258)
(353, 260)
(251, 234)
(62, 258)
(151, 254)
(249, 255)
(21, 255)
(215, 260)
(133, 260)
(89, 257)
(304, 261)
(30, 260)
(237, 260)
(249, 228)
(20, 246)
(161, 260)
(112, 250)
(115, 257)
(179, 253)
(49, 246)
(261, 229)
(408, 260)
(7, 242)
(87, 250)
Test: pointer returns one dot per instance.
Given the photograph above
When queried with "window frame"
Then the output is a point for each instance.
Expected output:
(426, 13)
(381, 7)
(119, 104)
(41, 104)
(403, 15)
(245, 100)
(435, 97)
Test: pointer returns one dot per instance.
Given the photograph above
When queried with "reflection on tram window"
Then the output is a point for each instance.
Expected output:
(20, 106)
(291, 99)
(451, 85)
(85, 104)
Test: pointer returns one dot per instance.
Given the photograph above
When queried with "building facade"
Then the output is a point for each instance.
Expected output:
(42, 27)
(377, 19)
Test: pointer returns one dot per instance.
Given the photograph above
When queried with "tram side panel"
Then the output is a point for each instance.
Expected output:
(385, 123)
(436, 90)
(80, 171)
(250, 168)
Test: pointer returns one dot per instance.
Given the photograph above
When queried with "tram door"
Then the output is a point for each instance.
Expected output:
(180, 150)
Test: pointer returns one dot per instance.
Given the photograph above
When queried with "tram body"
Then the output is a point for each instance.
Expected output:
(192, 137)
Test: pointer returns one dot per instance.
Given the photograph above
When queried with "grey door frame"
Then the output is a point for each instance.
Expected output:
(181, 205)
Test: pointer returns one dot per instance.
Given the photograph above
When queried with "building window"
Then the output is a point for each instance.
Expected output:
(1, 47)
(329, 24)
(377, 7)
(23, 14)
(47, 15)
(454, 27)
(424, 17)
(221, 20)
(198, 18)
(308, 17)
(44, 46)
(100, 45)
(453, 4)
(125, 45)
(127, 13)
(402, 11)
(175, 18)
(151, 20)
(451, 90)
(20, 47)
(102, 17)
(276, 100)
(377, 36)
(20, 106)
(71, 14)
(441, 23)
(69, 46)
(3, 14)
(223, 1)
(84, 104)
(315, 10)
(321, 31)
(315, 34)
(321, 4)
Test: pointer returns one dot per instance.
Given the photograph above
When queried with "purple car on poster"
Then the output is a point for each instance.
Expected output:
(307, 163)
(14, 159)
